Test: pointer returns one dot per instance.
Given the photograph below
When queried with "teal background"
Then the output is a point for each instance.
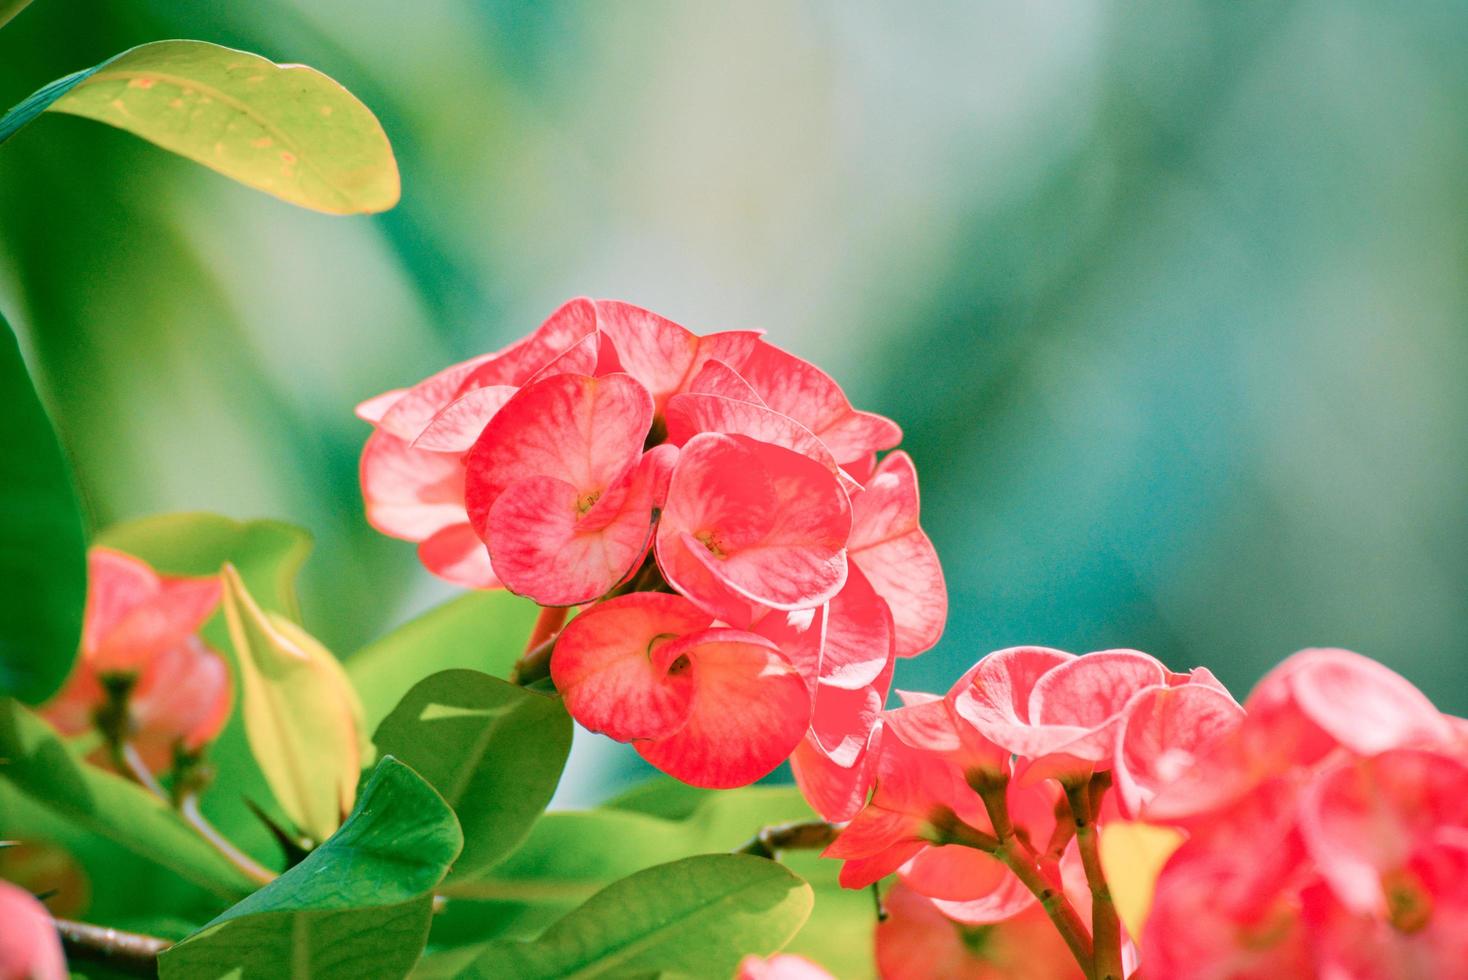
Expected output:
(1170, 298)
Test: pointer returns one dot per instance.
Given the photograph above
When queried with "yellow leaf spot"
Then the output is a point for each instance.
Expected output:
(141, 83)
(175, 103)
(262, 142)
(326, 110)
(288, 158)
(1132, 856)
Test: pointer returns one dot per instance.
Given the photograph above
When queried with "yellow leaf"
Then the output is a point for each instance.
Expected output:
(1132, 856)
(302, 717)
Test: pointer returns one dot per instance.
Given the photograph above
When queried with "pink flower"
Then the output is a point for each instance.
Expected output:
(1061, 714)
(560, 490)
(140, 632)
(748, 524)
(784, 966)
(30, 948)
(918, 942)
(710, 705)
(412, 466)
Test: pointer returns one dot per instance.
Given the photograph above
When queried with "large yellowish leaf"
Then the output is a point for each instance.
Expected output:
(302, 717)
(1132, 856)
(287, 130)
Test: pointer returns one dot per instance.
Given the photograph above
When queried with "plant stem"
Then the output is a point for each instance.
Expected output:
(535, 664)
(1009, 849)
(1085, 803)
(188, 808)
(125, 952)
(804, 835)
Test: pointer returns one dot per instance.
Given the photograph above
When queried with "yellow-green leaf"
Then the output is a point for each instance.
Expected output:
(287, 130)
(1132, 856)
(302, 717)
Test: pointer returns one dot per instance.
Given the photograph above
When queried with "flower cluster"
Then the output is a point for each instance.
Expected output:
(1327, 833)
(144, 678)
(989, 800)
(1323, 824)
(749, 569)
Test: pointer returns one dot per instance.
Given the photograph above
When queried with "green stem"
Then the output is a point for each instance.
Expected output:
(535, 664)
(188, 808)
(1085, 803)
(1005, 846)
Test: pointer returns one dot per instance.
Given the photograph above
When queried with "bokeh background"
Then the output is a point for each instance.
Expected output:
(1170, 297)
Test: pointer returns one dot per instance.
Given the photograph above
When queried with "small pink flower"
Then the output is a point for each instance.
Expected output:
(918, 942)
(712, 706)
(748, 524)
(1164, 732)
(30, 948)
(559, 489)
(141, 628)
(784, 966)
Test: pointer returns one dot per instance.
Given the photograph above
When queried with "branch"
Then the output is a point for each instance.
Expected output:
(804, 835)
(1085, 804)
(535, 664)
(126, 952)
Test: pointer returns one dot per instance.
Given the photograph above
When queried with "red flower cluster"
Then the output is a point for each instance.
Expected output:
(144, 677)
(989, 800)
(752, 570)
(1328, 834)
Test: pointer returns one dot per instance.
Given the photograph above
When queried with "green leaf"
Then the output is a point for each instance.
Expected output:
(43, 547)
(697, 916)
(359, 905)
(302, 717)
(482, 631)
(40, 765)
(571, 855)
(494, 751)
(287, 130)
(9, 8)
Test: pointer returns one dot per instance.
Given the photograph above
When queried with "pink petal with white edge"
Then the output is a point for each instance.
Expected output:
(996, 696)
(517, 364)
(1091, 691)
(662, 355)
(458, 425)
(842, 721)
(583, 431)
(30, 947)
(799, 389)
(750, 710)
(410, 493)
(690, 413)
(799, 634)
(1364, 705)
(836, 792)
(718, 378)
(891, 548)
(416, 407)
(1164, 732)
(373, 409)
(456, 554)
(765, 523)
(542, 545)
(1008, 899)
(859, 635)
(116, 584)
(606, 672)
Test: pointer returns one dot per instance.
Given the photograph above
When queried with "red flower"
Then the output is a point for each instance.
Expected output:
(712, 706)
(140, 633)
(783, 966)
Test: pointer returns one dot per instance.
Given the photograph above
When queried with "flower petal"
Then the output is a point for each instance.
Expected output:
(456, 554)
(750, 709)
(604, 669)
(410, 493)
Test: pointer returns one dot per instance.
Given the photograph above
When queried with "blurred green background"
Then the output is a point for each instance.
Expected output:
(1169, 297)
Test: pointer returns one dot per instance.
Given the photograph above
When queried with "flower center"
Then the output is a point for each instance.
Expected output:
(1408, 904)
(586, 501)
(711, 541)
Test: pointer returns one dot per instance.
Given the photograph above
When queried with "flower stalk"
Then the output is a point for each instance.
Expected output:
(1085, 805)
